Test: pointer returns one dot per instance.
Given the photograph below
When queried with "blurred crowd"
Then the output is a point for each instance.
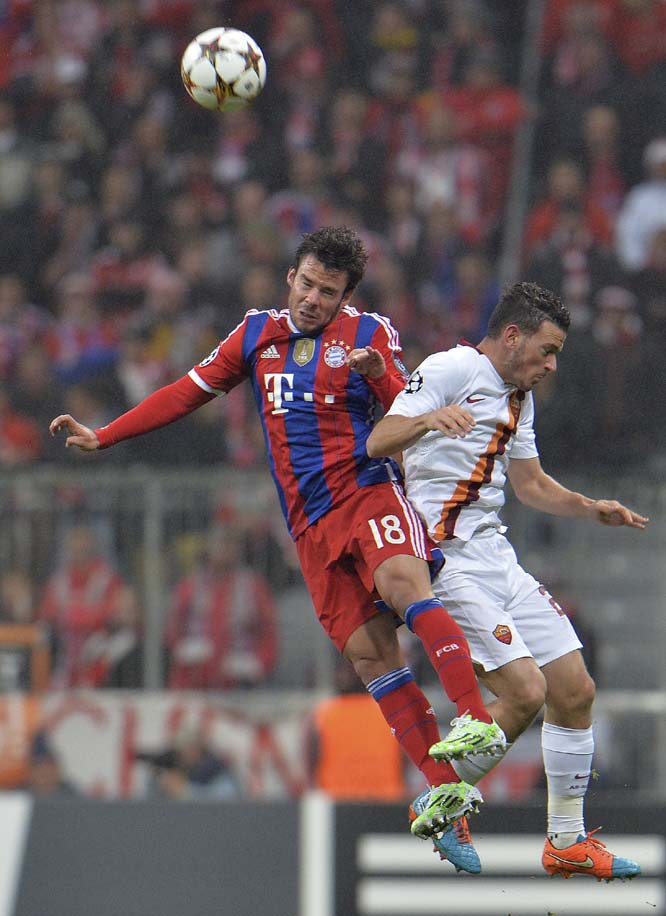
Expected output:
(137, 228)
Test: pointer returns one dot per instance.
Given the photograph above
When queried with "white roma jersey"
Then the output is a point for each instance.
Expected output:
(457, 485)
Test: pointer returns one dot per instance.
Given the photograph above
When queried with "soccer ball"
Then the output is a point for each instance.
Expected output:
(223, 69)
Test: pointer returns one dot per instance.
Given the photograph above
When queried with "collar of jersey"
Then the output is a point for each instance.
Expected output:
(465, 343)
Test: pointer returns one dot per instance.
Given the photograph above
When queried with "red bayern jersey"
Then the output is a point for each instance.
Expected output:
(316, 413)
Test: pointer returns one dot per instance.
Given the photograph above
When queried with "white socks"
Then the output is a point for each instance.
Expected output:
(567, 758)
(472, 769)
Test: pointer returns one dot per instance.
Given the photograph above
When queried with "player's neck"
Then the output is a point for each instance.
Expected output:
(492, 351)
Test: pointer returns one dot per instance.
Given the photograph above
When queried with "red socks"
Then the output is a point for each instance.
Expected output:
(412, 721)
(448, 652)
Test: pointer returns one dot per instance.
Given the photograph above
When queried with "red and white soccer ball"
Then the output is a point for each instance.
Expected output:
(223, 69)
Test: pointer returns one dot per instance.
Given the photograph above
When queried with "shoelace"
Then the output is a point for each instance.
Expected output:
(461, 828)
(593, 841)
(457, 719)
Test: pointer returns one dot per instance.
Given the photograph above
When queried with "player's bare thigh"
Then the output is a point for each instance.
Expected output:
(373, 648)
(402, 580)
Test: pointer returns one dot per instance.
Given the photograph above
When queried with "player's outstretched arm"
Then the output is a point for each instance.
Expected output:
(539, 490)
(160, 408)
(77, 434)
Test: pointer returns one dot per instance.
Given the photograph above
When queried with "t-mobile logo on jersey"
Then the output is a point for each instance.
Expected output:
(452, 646)
(274, 382)
(279, 386)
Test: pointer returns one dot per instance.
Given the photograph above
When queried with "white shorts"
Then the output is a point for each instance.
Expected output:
(503, 611)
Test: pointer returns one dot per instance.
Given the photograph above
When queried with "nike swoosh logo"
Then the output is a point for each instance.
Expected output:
(582, 775)
(472, 400)
(586, 863)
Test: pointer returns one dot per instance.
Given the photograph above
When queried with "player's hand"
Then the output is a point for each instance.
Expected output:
(610, 512)
(77, 434)
(453, 421)
(367, 361)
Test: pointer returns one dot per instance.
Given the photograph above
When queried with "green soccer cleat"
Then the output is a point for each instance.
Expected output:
(467, 737)
(433, 810)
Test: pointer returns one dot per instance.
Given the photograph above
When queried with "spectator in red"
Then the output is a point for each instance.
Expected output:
(402, 226)
(566, 16)
(602, 158)
(440, 246)
(357, 161)
(390, 292)
(393, 119)
(573, 264)
(489, 112)
(74, 246)
(78, 600)
(565, 187)
(458, 34)
(34, 391)
(474, 297)
(122, 272)
(451, 172)
(221, 631)
(113, 656)
(583, 71)
(642, 35)
(301, 62)
(21, 323)
(20, 437)
(307, 202)
(81, 343)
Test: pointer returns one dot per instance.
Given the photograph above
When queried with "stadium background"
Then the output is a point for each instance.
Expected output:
(470, 143)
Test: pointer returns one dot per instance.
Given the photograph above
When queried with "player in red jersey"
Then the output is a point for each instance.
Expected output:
(319, 369)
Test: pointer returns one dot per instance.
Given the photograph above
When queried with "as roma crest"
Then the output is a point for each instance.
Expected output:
(304, 350)
(502, 633)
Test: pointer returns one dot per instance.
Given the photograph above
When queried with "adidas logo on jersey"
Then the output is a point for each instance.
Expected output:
(270, 353)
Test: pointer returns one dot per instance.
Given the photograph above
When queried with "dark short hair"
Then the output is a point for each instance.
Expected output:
(528, 305)
(337, 248)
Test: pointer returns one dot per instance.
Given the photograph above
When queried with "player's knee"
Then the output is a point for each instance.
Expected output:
(583, 695)
(370, 668)
(573, 698)
(529, 696)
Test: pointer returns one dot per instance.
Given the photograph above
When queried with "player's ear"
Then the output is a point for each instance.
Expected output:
(512, 335)
(291, 274)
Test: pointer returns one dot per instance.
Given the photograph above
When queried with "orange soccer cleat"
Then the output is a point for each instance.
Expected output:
(587, 856)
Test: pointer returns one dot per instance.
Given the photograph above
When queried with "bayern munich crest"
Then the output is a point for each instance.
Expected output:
(335, 353)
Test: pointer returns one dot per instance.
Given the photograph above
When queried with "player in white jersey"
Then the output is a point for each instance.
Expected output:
(456, 467)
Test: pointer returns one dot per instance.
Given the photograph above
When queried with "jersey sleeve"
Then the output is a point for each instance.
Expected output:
(160, 408)
(387, 386)
(226, 366)
(524, 443)
(436, 383)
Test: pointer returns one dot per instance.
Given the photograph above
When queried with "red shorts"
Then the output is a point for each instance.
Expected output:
(340, 552)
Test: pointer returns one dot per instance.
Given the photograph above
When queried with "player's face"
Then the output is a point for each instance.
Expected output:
(533, 356)
(316, 295)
